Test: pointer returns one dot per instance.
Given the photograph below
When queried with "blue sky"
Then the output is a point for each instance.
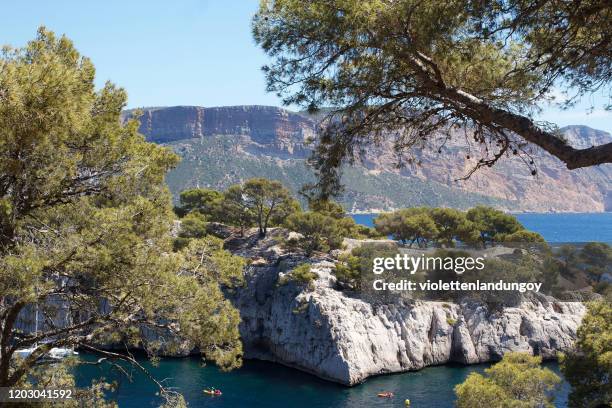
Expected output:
(184, 52)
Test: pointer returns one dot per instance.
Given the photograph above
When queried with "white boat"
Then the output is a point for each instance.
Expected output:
(61, 352)
(23, 353)
(56, 353)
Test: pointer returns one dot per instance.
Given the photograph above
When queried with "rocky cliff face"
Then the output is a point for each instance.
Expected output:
(345, 339)
(270, 130)
(226, 145)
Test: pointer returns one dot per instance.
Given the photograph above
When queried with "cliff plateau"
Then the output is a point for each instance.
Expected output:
(225, 145)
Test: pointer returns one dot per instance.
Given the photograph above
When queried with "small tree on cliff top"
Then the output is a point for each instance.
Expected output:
(85, 218)
(204, 201)
(266, 202)
(493, 225)
(408, 225)
(401, 70)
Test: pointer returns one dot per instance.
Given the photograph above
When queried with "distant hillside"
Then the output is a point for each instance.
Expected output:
(225, 145)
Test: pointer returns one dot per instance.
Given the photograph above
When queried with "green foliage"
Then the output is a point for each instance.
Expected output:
(520, 266)
(86, 217)
(59, 376)
(588, 367)
(300, 274)
(409, 71)
(193, 225)
(348, 271)
(319, 232)
(355, 267)
(452, 225)
(587, 264)
(493, 224)
(549, 277)
(445, 226)
(235, 210)
(524, 236)
(206, 263)
(262, 201)
(324, 227)
(201, 200)
(409, 226)
(568, 255)
(207, 162)
(328, 208)
(516, 381)
(598, 258)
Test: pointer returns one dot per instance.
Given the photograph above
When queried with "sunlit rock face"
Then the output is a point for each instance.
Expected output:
(225, 145)
(345, 339)
(268, 129)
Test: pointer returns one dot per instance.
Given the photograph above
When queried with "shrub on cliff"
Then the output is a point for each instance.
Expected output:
(193, 225)
(588, 368)
(348, 271)
(324, 227)
(300, 274)
(319, 233)
(206, 202)
(354, 270)
(516, 381)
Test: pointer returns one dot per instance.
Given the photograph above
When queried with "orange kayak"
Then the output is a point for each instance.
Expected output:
(387, 394)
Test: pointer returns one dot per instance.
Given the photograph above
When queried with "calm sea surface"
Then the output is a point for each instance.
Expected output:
(577, 227)
(266, 385)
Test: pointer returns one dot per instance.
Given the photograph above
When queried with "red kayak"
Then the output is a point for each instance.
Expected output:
(214, 393)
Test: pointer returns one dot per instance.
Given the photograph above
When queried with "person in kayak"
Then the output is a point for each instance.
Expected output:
(212, 391)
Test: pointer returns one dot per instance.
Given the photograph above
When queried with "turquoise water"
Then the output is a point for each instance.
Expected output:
(555, 228)
(266, 385)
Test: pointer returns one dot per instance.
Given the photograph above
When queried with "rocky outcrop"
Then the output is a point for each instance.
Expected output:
(269, 130)
(345, 339)
(341, 338)
(265, 141)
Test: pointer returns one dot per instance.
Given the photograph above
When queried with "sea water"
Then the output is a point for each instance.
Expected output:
(555, 228)
(266, 385)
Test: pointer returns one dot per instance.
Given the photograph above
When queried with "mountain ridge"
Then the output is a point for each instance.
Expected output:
(273, 142)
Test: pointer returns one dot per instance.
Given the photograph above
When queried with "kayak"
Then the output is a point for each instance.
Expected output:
(213, 393)
(387, 394)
